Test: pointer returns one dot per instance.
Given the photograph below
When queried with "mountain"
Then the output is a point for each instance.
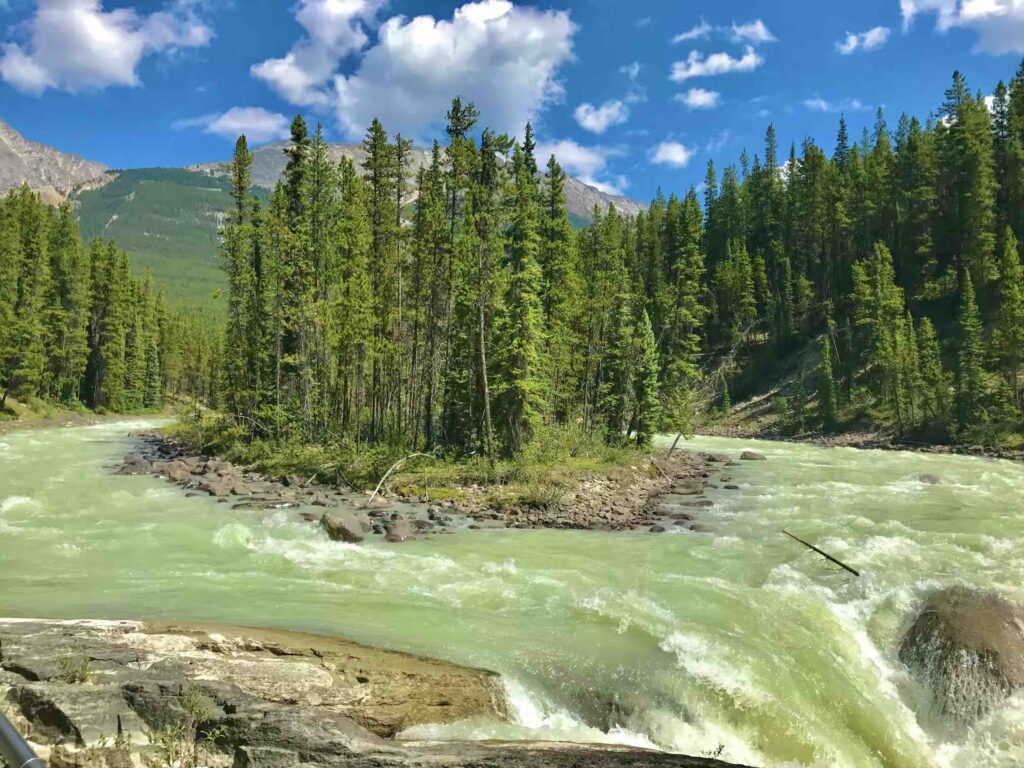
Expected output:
(50, 172)
(269, 161)
(168, 218)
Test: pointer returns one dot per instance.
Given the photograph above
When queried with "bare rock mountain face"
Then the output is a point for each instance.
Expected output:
(52, 173)
(269, 162)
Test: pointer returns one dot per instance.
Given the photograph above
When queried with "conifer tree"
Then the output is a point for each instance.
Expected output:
(970, 372)
(935, 382)
(1008, 335)
(523, 386)
(827, 398)
(646, 394)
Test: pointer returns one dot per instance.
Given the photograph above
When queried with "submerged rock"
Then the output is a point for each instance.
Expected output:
(753, 456)
(343, 526)
(929, 479)
(399, 531)
(967, 648)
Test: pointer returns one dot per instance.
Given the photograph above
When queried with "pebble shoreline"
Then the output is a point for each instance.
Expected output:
(657, 495)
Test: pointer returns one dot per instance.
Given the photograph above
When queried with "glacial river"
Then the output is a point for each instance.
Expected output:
(740, 644)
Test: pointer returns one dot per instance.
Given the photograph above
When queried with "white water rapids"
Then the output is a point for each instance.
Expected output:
(741, 643)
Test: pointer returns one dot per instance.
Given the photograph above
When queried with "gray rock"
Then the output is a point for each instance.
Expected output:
(927, 479)
(73, 714)
(343, 526)
(657, 529)
(753, 456)
(689, 487)
(399, 531)
(247, 756)
(487, 524)
(967, 648)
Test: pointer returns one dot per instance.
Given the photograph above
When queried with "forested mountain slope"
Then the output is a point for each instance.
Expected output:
(168, 218)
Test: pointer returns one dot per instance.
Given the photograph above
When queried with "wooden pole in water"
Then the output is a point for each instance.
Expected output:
(826, 555)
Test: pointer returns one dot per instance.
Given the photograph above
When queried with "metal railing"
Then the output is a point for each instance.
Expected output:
(14, 750)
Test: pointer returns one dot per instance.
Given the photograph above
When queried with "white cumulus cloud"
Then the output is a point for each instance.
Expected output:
(588, 164)
(699, 65)
(258, 125)
(863, 41)
(75, 45)
(501, 56)
(999, 24)
(672, 153)
(699, 98)
(334, 29)
(600, 119)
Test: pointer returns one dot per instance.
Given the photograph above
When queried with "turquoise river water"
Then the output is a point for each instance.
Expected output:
(740, 643)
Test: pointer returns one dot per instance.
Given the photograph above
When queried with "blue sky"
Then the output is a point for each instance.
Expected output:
(632, 96)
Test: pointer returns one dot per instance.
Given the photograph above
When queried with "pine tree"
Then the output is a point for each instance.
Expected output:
(1008, 335)
(935, 381)
(827, 397)
(648, 365)
(970, 372)
(523, 386)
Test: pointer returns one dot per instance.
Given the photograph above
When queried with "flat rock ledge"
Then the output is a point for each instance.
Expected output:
(658, 494)
(124, 694)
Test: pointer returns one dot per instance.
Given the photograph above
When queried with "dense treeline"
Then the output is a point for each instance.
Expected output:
(454, 306)
(76, 328)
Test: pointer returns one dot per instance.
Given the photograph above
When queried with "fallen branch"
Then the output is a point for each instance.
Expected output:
(395, 466)
(826, 555)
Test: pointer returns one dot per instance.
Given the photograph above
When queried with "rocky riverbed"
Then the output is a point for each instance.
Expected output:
(121, 693)
(658, 494)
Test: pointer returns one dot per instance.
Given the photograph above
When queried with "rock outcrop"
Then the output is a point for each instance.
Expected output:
(968, 649)
(121, 694)
(44, 169)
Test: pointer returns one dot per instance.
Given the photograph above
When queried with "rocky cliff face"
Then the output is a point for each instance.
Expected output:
(52, 173)
(269, 162)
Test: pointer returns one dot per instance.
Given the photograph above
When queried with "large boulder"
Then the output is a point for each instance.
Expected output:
(343, 526)
(967, 648)
(753, 456)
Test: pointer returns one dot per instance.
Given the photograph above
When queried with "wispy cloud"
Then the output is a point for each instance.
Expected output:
(701, 31)
(753, 32)
(818, 104)
(699, 65)
(863, 41)
(631, 70)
